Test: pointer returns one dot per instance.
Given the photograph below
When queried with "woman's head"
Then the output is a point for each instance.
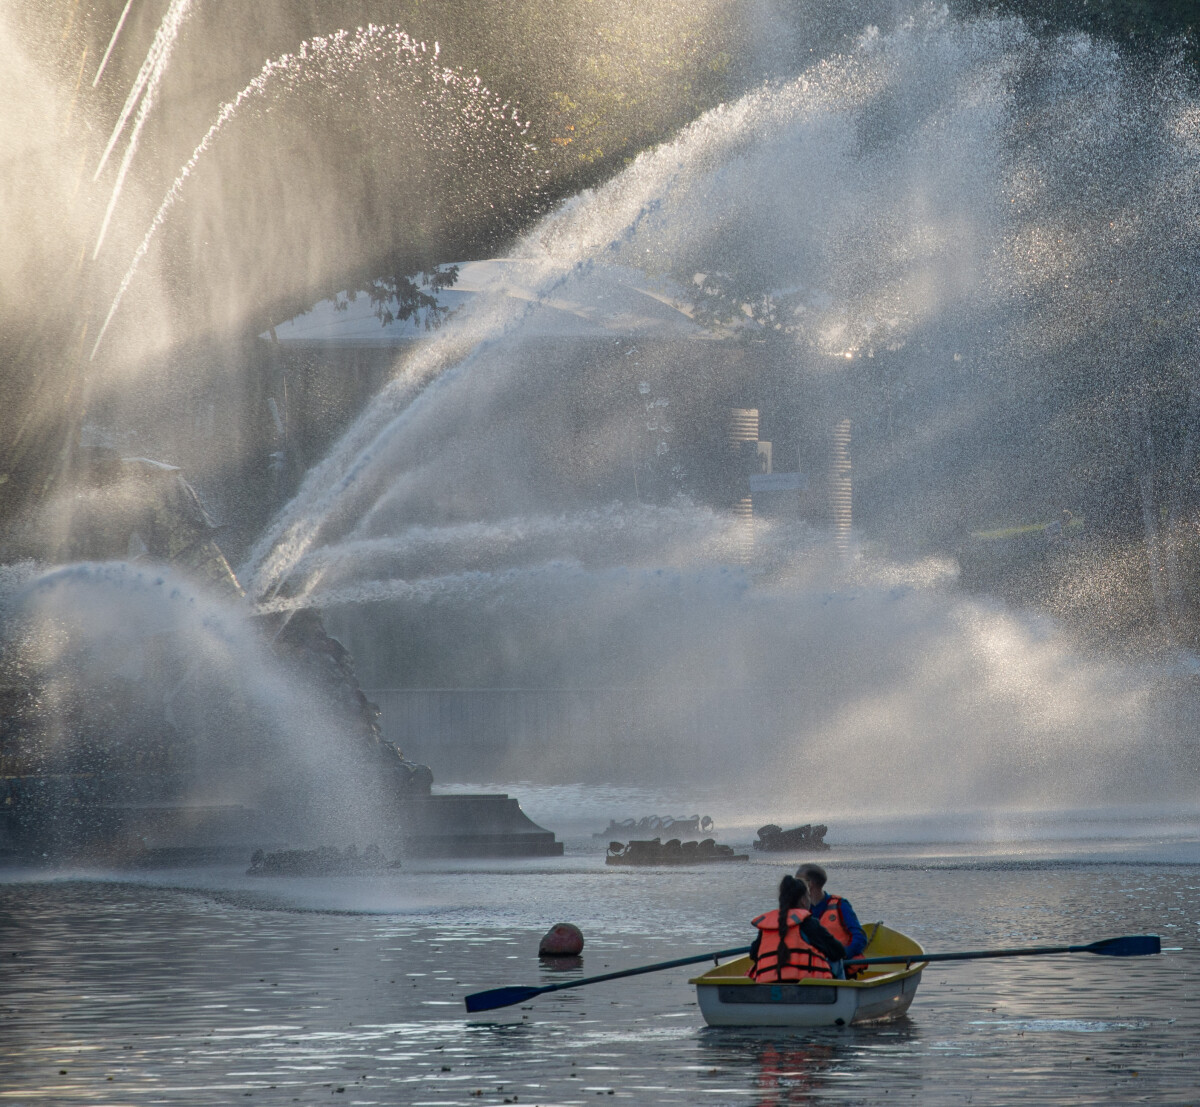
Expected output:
(793, 894)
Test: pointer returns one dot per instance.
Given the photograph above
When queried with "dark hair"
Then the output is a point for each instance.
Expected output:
(791, 893)
(814, 873)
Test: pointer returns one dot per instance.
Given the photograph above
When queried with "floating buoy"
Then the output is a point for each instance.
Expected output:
(561, 940)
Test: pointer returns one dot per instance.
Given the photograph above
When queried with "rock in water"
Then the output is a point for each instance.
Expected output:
(772, 837)
(561, 940)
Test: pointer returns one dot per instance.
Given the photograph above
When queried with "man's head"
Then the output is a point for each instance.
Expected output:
(814, 876)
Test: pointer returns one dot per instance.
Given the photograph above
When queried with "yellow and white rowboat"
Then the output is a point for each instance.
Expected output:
(728, 997)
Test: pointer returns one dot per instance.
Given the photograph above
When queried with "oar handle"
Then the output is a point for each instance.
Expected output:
(645, 968)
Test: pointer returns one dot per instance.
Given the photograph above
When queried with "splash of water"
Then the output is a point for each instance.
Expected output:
(93, 635)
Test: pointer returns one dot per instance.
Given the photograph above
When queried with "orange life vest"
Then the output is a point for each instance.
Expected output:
(831, 920)
(791, 959)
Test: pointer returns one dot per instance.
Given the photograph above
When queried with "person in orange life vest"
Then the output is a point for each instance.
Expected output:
(834, 914)
(791, 944)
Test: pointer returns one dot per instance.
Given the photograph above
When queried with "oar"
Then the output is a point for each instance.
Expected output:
(1131, 945)
(506, 997)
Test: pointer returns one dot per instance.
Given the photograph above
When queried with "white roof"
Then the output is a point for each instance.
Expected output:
(601, 302)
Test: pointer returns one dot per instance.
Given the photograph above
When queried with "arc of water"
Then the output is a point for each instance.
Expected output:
(295, 530)
(613, 224)
(255, 88)
(277, 553)
(586, 527)
(139, 82)
(476, 585)
(111, 43)
(164, 40)
(321, 46)
(473, 586)
(172, 195)
(423, 540)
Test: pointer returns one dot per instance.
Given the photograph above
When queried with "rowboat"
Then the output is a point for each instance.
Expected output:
(728, 997)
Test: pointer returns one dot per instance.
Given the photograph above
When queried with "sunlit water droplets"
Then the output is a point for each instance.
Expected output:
(379, 67)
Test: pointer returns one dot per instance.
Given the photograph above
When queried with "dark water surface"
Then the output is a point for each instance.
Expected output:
(211, 987)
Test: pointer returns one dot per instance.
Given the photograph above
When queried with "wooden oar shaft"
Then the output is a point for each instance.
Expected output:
(644, 969)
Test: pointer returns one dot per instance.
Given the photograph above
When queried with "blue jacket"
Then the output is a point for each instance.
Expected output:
(858, 937)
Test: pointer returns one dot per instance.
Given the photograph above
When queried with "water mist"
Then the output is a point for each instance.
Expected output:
(136, 669)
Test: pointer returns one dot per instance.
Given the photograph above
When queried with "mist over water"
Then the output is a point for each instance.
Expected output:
(100, 639)
(956, 235)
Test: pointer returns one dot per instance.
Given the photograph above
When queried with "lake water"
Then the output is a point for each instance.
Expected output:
(208, 986)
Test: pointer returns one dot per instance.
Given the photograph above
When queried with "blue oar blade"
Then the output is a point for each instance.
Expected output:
(500, 997)
(1131, 945)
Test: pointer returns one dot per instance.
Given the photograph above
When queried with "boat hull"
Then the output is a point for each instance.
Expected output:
(728, 997)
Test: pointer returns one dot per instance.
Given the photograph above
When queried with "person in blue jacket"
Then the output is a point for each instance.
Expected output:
(834, 913)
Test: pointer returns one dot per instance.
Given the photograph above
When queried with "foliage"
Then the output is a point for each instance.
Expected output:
(400, 296)
(1140, 22)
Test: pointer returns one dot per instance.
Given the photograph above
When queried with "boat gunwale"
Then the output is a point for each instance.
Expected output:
(812, 981)
(917, 965)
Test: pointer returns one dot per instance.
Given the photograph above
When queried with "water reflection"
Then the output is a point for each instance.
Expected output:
(788, 1071)
(777, 1068)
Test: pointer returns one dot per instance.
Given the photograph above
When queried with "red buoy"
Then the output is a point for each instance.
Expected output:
(561, 940)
